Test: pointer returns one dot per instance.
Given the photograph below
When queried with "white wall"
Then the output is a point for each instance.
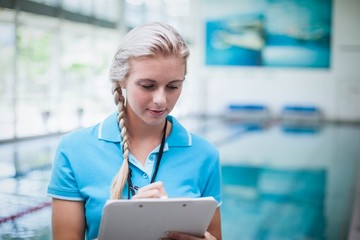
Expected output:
(346, 59)
(336, 90)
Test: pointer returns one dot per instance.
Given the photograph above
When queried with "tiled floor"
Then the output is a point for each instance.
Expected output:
(278, 182)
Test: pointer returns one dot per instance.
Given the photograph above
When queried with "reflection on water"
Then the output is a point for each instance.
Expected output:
(279, 182)
(24, 173)
(32, 225)
(265, 203)
(290, 182)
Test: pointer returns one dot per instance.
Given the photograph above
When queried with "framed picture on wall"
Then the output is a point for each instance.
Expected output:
(274, 33)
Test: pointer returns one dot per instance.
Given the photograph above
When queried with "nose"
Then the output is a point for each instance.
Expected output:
(159, 97)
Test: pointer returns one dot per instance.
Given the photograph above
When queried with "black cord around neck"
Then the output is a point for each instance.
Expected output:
(161, 151)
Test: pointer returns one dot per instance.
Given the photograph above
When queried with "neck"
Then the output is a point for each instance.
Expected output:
(141, 131)
(138, 129)
(142, 137)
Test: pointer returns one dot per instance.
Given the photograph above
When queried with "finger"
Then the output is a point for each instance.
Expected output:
(161, 188)
(155, 185)
(208, 236)
(181, 236)
(153, 193)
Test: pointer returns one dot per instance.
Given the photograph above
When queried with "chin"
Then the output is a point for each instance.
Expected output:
(155, 121)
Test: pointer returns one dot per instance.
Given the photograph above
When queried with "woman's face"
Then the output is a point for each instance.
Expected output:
(153, 87)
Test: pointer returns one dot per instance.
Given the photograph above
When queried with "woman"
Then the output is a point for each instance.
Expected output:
(140, 151)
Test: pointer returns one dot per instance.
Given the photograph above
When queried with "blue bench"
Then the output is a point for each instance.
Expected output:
(247, 112)
(301, 115)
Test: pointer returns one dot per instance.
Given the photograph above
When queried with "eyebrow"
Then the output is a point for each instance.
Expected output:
(176, 81)
(154, 81)
(145, 79)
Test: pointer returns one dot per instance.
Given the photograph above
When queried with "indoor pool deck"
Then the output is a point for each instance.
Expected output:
(279, 182)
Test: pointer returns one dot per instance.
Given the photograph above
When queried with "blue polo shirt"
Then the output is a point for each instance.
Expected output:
(87, 160)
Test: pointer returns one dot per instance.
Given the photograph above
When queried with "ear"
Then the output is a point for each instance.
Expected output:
(123, 84)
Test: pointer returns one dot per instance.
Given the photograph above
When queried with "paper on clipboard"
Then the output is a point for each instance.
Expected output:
(150, 219)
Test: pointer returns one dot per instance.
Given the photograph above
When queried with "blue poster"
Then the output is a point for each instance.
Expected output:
(274, 33)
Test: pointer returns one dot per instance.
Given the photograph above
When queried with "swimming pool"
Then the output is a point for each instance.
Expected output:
(299, 183)
(279, 182)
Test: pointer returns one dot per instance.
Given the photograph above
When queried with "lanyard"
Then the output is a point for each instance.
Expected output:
(161, 151)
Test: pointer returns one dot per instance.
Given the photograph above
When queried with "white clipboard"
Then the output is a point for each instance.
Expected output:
(150, 219)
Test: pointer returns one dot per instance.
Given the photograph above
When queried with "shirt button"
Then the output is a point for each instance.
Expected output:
(151, 158)
(145, 175)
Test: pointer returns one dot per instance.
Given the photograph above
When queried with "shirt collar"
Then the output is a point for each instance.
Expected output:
(179, 137)
(109, 129)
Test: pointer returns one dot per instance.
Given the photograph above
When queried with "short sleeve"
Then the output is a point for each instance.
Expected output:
(62, 183)
(213, 184)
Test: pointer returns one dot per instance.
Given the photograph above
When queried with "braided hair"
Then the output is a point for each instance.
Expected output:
(149, 40)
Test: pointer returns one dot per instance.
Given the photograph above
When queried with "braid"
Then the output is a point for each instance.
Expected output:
(153, 39)
(120, 179)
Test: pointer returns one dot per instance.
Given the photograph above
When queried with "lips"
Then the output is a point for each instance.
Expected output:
(156, 113)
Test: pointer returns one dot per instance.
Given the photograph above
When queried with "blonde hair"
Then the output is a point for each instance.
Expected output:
(149, 40)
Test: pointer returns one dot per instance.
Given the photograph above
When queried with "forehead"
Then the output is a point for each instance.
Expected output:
(157, 67)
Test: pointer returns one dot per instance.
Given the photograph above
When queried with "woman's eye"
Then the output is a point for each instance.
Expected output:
(147, 86)
(172, 87)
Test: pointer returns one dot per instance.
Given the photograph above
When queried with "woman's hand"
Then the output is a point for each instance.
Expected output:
(182, 236)
(153, 190)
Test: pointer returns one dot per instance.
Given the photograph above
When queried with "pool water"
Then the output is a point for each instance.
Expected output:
(279, 182)
(297, 184)
(273, 204)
